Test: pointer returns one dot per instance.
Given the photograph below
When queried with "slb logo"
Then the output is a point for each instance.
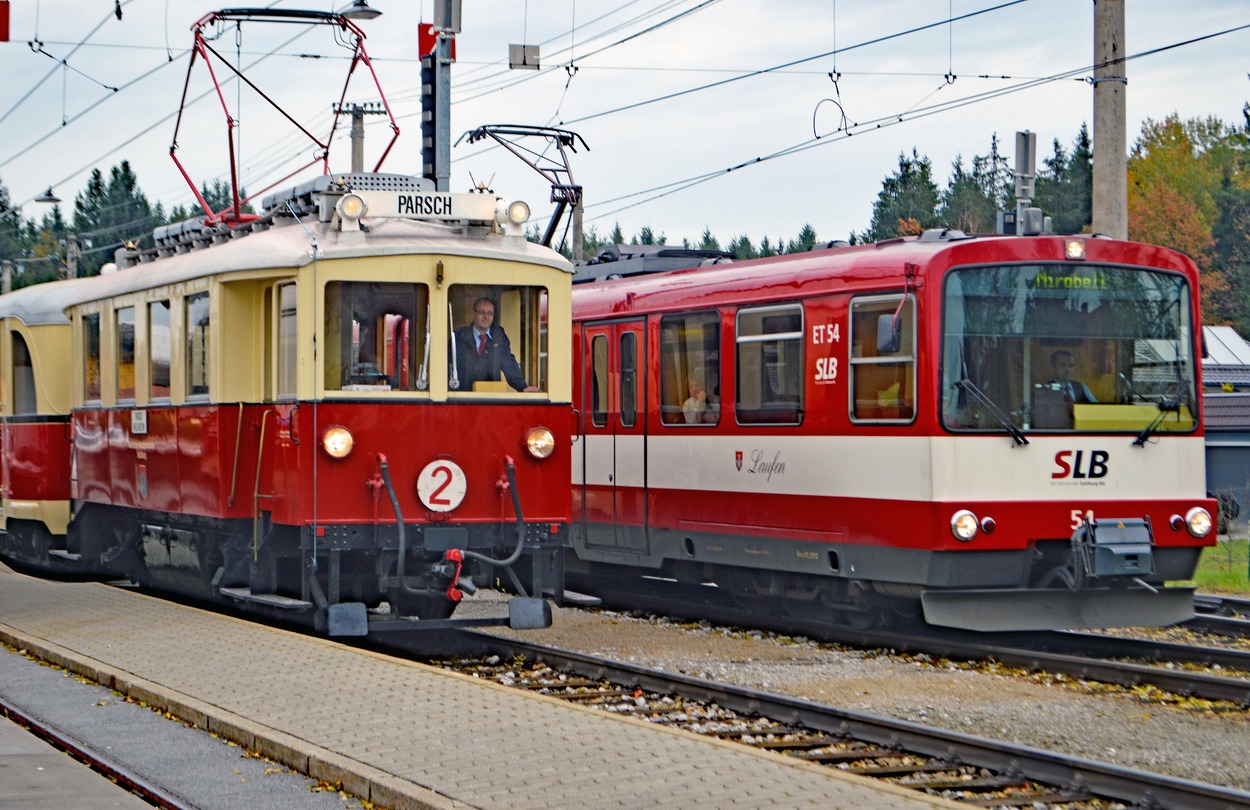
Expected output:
(1072, 464)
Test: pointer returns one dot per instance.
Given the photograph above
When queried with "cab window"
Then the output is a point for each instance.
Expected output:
(376, 336)
(497, 338)
(883, 359)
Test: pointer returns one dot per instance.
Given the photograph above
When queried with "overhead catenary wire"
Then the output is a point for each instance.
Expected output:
(883, 122)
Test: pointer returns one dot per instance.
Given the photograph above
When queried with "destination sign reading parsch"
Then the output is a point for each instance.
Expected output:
(423, 205)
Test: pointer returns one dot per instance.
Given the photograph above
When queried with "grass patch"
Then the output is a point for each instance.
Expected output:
(1222, 568)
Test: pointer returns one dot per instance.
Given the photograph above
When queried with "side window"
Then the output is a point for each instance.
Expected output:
(883, 377)
(158, 349)
(288, 349)
(770, 365)
(91, 357)
(599, 381)
(496, 341)
(376, 335)
(197, 315)
(629, 379)
(125, 353)
(24, 400)
(690, 368)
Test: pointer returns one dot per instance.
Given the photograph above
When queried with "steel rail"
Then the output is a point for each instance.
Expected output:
(102, 764)
(1136, 787)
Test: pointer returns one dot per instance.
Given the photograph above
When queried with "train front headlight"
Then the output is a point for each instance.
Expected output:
(539, 442)
(1198, 521)
(337, 441)
(964, 525)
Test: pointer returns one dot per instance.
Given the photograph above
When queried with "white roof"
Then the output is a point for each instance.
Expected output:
(1225, 347)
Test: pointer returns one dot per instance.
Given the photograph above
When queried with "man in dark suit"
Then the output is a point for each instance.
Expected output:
(1064, 364)
(483, 351)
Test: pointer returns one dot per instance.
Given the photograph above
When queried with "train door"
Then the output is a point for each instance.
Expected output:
(614, 478)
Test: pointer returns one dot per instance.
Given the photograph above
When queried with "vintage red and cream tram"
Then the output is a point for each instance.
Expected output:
(269, 413)
(877, 431)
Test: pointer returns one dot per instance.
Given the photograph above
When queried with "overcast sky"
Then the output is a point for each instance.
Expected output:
(662, 91)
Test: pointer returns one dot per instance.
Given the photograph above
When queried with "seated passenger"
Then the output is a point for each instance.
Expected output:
(699, 406)
(483, 351)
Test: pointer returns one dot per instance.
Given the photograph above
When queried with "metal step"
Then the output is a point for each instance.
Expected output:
(270, 599)
(575, 599)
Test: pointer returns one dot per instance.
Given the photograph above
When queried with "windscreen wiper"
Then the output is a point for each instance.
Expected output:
(1165, 407)
(1017, 435)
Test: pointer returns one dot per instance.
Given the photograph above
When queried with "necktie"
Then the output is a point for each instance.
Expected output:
(481, 343)
(1067, 393)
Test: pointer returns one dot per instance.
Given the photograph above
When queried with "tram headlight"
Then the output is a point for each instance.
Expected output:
(337, 441)
(350, 208)
(539, 442)
(1074, 250)
(1198, 521)
(964, 525)
(512, 215)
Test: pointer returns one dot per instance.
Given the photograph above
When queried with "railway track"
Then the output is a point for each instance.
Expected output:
(960, 767)
(93, 758)
(1209, 672)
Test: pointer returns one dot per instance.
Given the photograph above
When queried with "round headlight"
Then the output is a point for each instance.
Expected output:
(351, 206)
(539, 442)
(964, 525)
(1198, 521)
(337, 441)
(518, 212)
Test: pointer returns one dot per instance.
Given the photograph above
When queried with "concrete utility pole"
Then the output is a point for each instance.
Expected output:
(358, 113)
(1110, 203)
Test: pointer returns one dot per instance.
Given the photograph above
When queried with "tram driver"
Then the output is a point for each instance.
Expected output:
(483, 351)
(1063, 363)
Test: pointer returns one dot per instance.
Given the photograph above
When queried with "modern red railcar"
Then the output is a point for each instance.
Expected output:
(863, 432)
(269, 413)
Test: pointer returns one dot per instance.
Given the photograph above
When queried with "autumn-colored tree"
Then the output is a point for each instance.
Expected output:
(1182, 177)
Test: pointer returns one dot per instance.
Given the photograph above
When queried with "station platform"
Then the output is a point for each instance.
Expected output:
(399, 733)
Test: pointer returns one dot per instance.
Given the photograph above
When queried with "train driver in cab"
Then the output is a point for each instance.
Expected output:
(483, 351)
(1063, 363)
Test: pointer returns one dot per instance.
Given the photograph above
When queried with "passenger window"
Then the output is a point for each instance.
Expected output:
(197, 323)
(125, 318)
(158, 350)
(690, 369)
(883, 383)
(377, 335)
(497, 338)
(91, 357)
(24, 400)
(629, 379)
(599, 381)
(288, 349)
(770, 365)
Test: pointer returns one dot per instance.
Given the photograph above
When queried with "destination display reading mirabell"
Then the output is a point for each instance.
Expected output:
(1075, 280)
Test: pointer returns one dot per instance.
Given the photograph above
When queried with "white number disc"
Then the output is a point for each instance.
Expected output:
(441, 485)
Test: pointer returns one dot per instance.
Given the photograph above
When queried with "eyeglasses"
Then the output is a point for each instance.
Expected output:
(484, 311)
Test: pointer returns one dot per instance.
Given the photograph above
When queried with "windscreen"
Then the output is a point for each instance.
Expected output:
(1057, 347)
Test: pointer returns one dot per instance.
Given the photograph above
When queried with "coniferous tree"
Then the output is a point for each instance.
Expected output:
(907, 195)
